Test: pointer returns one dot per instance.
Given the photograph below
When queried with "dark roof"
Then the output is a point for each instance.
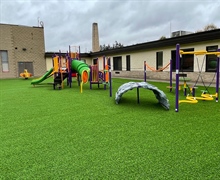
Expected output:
(185, 39)
(50, 54)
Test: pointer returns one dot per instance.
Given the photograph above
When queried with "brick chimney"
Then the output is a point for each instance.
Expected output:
(95, 38)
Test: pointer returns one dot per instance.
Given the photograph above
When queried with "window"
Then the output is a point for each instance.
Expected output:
(159, 57)
(186, 61)
(211, 60)
(117, 63)
(95, 61)
(128, 63)
(4, 60)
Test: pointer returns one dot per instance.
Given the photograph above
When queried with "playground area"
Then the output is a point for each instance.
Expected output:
(65, 134)
(77, 122)
(71, 65)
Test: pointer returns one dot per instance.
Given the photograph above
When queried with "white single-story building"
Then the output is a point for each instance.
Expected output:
(129, 61)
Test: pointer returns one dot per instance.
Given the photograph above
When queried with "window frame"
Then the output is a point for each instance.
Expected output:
(128, 63)
(117, 63)
(4, 60)
(159, 60)
(210, 58)
(183, 58)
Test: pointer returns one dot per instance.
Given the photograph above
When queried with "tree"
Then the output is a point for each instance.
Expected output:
(114, 46)
(162, 37)
(208, 27)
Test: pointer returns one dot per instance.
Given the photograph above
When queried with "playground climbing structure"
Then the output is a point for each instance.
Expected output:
(66, 67)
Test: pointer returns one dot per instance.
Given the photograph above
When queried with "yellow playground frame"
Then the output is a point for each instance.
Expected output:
(204, 96)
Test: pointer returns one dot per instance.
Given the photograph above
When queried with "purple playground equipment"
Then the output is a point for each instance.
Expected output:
(101, 76)
(204, 96)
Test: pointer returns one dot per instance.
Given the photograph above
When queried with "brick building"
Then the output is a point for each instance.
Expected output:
(21, 47)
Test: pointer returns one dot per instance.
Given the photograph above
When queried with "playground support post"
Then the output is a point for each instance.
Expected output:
(79, 57)
(60, 69)
(171, 67)
(217, 78)
(69, 67)
(145, 72)
(110, 77)
(177, 77)
(104, 73)
(90, 77)
(70, 71)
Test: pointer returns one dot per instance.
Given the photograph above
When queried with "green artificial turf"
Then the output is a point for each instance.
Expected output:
(65, 134)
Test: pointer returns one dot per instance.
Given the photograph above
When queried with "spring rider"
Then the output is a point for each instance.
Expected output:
(25, 74)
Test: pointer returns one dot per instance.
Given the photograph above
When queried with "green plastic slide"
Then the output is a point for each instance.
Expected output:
(42, 78)
(81, 68)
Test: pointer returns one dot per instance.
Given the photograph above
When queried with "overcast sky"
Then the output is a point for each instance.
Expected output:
(69, 22)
